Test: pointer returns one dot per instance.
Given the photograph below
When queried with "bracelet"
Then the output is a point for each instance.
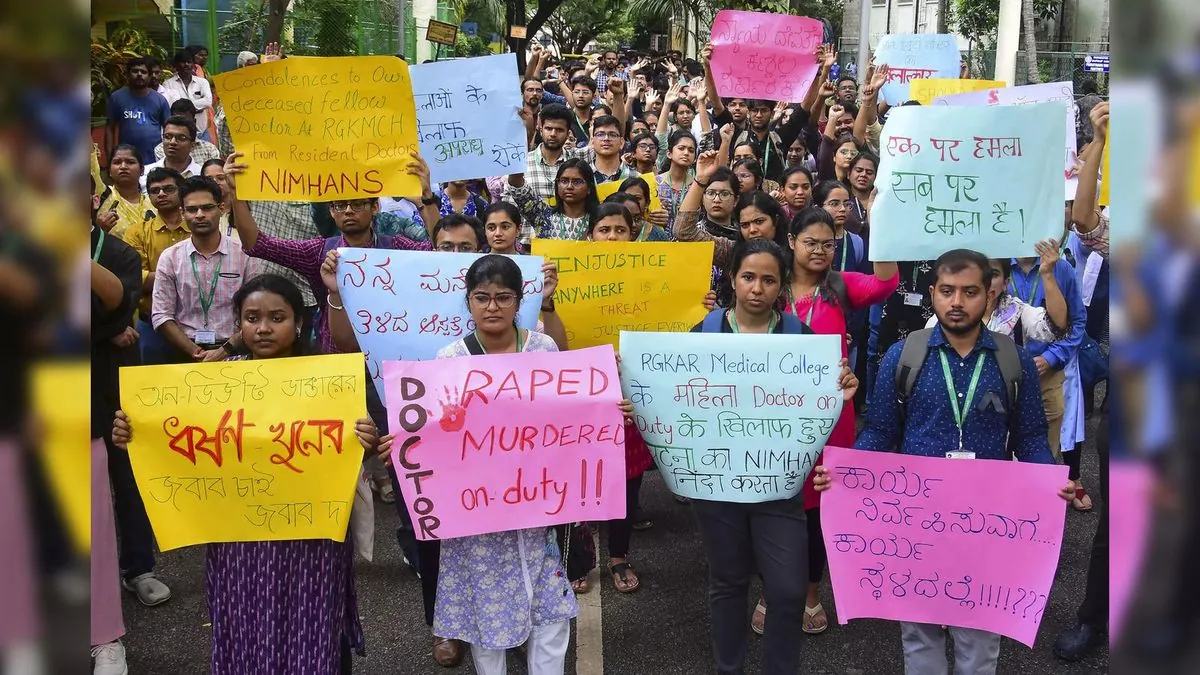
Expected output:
(697, 182)
(548, 310)
(329, 301)
(431, 200)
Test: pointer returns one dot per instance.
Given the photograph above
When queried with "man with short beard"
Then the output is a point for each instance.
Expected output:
(541, 165)
(136, 113)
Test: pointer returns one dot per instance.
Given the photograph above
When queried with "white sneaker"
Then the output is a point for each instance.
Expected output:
(110, 659)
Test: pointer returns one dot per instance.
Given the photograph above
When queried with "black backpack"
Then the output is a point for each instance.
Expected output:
(912, 359)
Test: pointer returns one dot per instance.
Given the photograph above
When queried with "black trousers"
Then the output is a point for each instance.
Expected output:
(136, 551)
(621, 531)
(1094, 609)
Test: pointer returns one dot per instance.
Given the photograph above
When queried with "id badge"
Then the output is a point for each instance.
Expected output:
(961, 454)
(912, 299)
(206, 337)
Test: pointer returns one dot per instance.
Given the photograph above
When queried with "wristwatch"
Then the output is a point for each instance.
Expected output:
(430, 200)
(229, 348)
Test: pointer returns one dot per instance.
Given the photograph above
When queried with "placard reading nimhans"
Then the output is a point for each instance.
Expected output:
(759, 55)
(733, 417)
(467, 117)
(322, 128)
(1025, 95)
(608, 287)
(508, 441)
(953, 542)
(988, 179)
(255, 450)
(406, 305)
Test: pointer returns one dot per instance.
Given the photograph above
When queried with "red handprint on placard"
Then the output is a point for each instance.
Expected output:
(454, 414)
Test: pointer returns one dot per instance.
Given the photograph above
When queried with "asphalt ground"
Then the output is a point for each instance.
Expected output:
(661, 629)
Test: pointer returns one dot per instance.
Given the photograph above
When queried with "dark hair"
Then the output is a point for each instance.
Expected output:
(592, 200)
(183, 106)
(160, 173)
(745, 249)
(846, 78)
(799, 168)
(753, 167)
(182, 121)
(610, 207)
(685, 102)
(137, 154)
(844, 139)
(498, 269)
(770, 207)
(211, 162)
(724, 175)
(849, 108)
(606, 52)
(139, 61)
(646, 135)
(865, 156)
(606, 121)
(622, 198)
(507, 208)
(530, 79)
(755, 103)
(460, 220)
(1087, 86)
(679, 135)
(809, 216)
(196, 49)
(556, 111)
(959, 259)
(630, 133)
(636, 182)
(199, 184)
(585, 81)
(284, 288)
(605, 109)
(821, 192)
(1005, 273)
(182, 56)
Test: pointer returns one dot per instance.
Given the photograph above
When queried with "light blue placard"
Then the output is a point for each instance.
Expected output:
(729, 417)
(988, 179)
(1135, 135)
(406, 305)
(915, 57)
(467, 120)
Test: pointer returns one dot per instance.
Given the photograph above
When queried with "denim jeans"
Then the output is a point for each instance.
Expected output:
(975, 651)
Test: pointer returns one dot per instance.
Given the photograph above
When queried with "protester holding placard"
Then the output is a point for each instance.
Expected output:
(716, 190)
(735, 534)
(278, 606)
(969, 415)
(1088, 220)
(673, 183)
(657, 218)
(500, 590)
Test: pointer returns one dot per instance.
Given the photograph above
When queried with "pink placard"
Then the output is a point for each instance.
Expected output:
(1129, 526)
(507, 441)
(955, 542)
(758, 55)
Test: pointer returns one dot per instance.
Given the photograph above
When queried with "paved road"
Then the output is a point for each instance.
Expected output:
(660, 630)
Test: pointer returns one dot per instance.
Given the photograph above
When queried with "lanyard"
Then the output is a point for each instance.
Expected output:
(845, 250)
(1032, 290)
(767, 153)
(960, 412)
(99, 246)
(770, 325)
(520, 342)
(812, 305)
(206, 302)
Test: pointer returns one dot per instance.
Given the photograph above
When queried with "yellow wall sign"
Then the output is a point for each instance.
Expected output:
(65, 441)
(322, 128)
(441, 32)
(607, 287)
(927, 90)
(256, 450)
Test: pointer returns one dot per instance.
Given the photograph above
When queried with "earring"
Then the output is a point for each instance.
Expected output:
(297, 332)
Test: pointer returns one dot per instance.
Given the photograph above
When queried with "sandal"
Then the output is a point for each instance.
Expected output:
(581, 586)
(758, 622)
(815, 620)
(1082, 501)
(625, 579)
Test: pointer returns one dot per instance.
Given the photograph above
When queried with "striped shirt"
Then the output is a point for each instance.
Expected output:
(177, 287)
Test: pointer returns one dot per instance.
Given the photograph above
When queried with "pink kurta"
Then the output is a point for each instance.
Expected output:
(862, 290)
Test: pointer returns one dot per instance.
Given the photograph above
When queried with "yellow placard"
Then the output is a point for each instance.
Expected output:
(256, 450)
(927, 90)
(1103, 196)
(64, 433)
(322, 128)
(607, 287)
(606, 190)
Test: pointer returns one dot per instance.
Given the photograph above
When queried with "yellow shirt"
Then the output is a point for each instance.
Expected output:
(150, 238)
(129, 214)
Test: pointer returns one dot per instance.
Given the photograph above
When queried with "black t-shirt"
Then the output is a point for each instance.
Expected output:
(726, 328)
(119, 258)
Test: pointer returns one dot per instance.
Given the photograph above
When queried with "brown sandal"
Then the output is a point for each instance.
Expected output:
(758, 622)
(621, 573)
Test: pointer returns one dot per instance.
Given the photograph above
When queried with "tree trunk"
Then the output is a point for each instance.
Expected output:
(252, 29)
(275, 20)
(943, 17)
(1030, 41)
(544, 11)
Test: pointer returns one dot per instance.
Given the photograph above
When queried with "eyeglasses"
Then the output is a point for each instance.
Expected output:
(201, 208)
(606, 135)
(718, 195)
(464, 247)
(178, 138)
(847, 152)
(744, 176)
(355, 205)
(812, 245)
(572, 182)
(162, 189)
(502, 300)
(836, 204)
(647, 146)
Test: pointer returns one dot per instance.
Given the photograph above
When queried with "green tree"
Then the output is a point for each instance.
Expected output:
(703, 11)
(977, 20)
(577, 22)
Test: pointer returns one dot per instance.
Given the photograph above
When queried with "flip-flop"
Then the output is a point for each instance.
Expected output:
(581, 586)
(758, 621)
(811, 621)
(1078, 502)
(622, 572)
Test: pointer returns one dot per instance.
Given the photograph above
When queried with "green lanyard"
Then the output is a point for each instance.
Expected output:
(960, 412)
(99, 246)
(1012, 286)
(766, 166)
(206, 302)
(520, 342)
(770, 325)
(845, 251)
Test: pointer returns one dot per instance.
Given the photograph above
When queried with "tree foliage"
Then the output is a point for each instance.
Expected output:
(977, 20)
(577, 22)
(649, 12)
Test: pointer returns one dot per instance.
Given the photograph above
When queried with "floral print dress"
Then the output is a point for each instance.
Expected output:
(494, 588)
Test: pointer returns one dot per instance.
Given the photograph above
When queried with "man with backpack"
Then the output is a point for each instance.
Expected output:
(957, 391)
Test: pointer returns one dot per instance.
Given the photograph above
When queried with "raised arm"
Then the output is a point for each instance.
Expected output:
(243, 219)
(1056, 302)
(868, 112)
(1083, 211)
(430, 212)
(726, 145)
(709, 82)
(826, 57)
(340, 328)
(552, 324)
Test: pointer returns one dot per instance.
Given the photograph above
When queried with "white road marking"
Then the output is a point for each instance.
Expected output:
(589, 625)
